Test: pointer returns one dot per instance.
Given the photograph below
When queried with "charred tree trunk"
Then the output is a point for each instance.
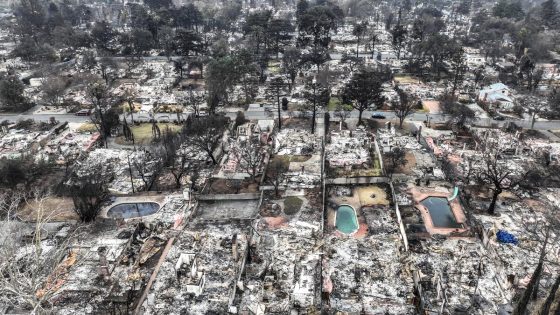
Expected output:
(279, 114)
(521, 307)
(492, 207)
(545, 309)
(360, 116)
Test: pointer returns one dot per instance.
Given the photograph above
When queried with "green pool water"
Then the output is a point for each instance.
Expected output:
(441, 213)
(346, 220)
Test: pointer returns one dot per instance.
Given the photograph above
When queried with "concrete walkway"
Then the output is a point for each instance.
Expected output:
(320, 125)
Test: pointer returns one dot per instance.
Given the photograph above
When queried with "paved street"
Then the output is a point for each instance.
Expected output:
(486, 122)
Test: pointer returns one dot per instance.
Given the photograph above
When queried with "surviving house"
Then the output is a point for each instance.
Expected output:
(497, 94)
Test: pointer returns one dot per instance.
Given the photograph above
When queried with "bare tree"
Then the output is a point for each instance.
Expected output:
(521, 307)
(205, 133)
(545, 308)
(342, 112)
(9, 203)
(129, 97)
(176, 158)
(53, 89)
(88, 193)
(393, 160)
(250, 155)
(107, 65)
(404, 107)
(132, 62)
(192, 102)
(31, 271)
(497, 175)
(148, 166)
(275, 172)
(98, 94)
(534, 105)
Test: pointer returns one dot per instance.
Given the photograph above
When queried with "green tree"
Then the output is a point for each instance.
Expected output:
(141, 41)
(30, 18)
(399, 36)
(279, 34)
(359, 31)
(158, 4)
(275, 89)
(256, 28)
(511, 9)
(315, 26)
(221, 76)
(187, 41)
(11, 94)
(459, 115)
(317, 96)
(291, 64)
(363, 89)
(464, 7)
(458, 69)
(554, 103)
(12, 172)
(549, 13)
(103, 35)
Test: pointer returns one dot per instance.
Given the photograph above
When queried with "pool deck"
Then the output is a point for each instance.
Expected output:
(361, 197)
(420, 194)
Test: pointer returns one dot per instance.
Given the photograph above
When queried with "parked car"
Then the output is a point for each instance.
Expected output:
(83, 112)
(499, 117)
(378, 116)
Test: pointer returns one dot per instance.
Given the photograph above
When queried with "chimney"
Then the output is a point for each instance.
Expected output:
(234, 247)
(103, 268)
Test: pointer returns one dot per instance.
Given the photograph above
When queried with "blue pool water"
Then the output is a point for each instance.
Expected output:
(132, 210)
(346, 220)
(440, 211)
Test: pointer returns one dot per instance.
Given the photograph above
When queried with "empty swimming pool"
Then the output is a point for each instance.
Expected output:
(346, 220)
(440, 212)
(132, 210)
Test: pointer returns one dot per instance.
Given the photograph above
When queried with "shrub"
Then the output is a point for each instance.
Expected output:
(292, 205)
(240, 119)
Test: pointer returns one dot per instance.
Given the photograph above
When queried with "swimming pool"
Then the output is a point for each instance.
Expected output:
(346, 219)
(440, 212)
(132, 210)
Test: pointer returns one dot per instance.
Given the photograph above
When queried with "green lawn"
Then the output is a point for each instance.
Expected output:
(334, 102)
(274, 67)
(143, 132)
